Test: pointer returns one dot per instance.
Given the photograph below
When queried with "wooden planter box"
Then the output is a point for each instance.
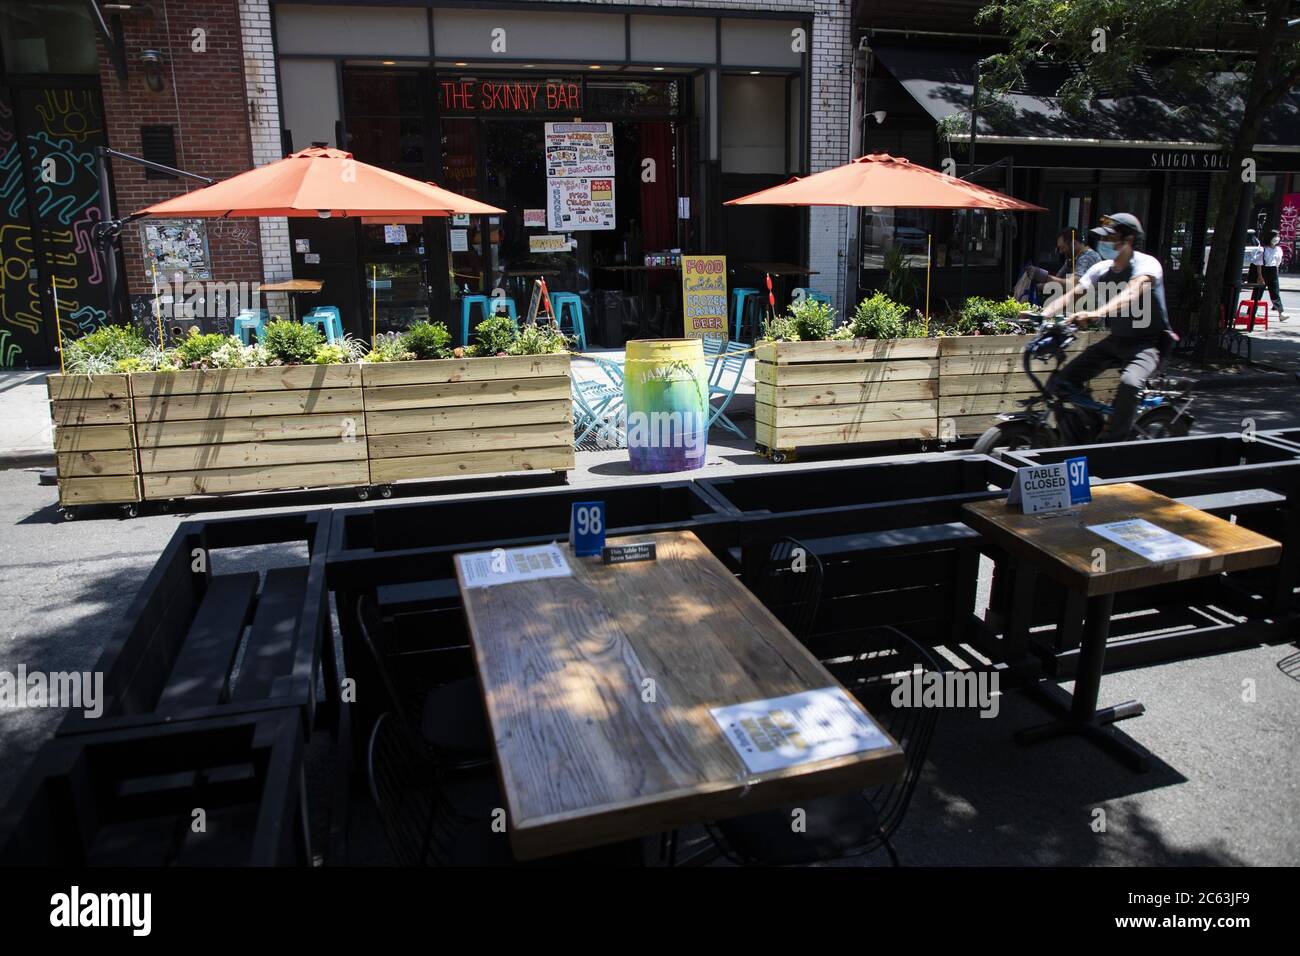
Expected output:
(832, 393)
(865, 390)
(981, 377)
(257, 429)
(434, 419)
(94, 439)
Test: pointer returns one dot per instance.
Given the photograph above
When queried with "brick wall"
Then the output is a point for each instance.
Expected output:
(204, 98)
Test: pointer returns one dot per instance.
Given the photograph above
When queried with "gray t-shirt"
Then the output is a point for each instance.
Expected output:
(1082, 263)
(1148, 317)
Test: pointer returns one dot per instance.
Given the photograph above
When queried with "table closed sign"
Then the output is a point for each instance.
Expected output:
(1054, 487)
(587, 528)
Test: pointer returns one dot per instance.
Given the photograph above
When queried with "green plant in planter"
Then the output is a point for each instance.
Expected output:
(780, 328)
(427, 340)
(100, 351)
(813, 320)
(879, 317)
(195, 350)
(981, 316)
(539, 340)
(291, 343)
(389, 347)
(900, 279)
(330, 353)
(495, 335)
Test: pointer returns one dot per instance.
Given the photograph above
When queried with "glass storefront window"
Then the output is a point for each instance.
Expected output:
(48, 36)
(908, 229)
(381, 94)
(390, 141)
(633, 97)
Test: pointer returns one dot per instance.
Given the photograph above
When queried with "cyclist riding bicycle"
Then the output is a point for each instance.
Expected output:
(1126, 290)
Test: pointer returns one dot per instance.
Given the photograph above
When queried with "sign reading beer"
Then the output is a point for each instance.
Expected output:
(509, 96)
(704, 295)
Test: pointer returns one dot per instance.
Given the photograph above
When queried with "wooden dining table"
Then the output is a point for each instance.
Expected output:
(600, 688)
(1067, 546)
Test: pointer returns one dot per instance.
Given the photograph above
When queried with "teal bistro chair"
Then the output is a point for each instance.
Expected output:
(742, 299)
(724, 379)
(327, 319)
(487, 306)
(570, 303)
(250, 324)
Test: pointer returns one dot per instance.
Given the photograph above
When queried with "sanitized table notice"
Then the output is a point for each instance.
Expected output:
(800, 728)
(485, 569)
(1149, 540)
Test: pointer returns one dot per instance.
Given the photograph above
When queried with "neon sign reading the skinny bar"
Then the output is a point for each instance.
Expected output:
(509, 96)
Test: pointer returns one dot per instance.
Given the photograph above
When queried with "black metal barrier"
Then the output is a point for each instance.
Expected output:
(219, 792)
(890, 538)
(212, 687)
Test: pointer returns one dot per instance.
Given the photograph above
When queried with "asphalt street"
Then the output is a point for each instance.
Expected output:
(1226, 790)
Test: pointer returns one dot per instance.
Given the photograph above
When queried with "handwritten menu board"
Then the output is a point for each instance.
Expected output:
(579, 176)
(704, 295)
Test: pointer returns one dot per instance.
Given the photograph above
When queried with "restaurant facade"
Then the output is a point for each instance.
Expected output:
(1151, 152)
(611, 134)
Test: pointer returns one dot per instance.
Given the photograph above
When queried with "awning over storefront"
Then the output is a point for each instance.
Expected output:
(941, 80)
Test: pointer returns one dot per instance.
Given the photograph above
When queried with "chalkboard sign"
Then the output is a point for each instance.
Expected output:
(535, 303)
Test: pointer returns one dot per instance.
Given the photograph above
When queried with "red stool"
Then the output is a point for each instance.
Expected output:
(1243, 313)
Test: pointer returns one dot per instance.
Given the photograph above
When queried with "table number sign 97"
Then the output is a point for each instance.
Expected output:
(1053, 487)
(587, 528)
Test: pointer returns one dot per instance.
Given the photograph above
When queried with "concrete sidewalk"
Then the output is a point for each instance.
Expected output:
(26, 434)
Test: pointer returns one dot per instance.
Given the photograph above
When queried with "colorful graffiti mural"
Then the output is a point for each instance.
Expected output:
(49, 202)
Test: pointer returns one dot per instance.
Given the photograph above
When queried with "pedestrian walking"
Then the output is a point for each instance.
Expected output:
(1271, 261)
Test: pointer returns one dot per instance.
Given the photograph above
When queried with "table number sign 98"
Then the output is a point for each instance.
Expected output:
(587, 528)
(1053, 487)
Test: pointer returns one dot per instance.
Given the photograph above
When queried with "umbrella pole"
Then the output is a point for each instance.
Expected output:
(58, 325)
(157, 306)
(374, 305)
(928, 240)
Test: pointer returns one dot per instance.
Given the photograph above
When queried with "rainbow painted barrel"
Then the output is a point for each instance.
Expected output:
(666, 393)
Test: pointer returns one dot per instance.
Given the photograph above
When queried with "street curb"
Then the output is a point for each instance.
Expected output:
(27, 458)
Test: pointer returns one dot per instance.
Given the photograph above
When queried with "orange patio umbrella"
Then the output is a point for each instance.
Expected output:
(323, 182)
(884, 180)
(889, 181)
(318, 181)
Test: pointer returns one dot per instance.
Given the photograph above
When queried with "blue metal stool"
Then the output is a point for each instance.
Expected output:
(488, 304)
(251, 322)
(561, 299)
(328, 320)
(740, 299)
(810, 294)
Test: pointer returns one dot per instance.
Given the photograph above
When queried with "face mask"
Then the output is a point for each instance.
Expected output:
(1275, 241)
(1107, 250)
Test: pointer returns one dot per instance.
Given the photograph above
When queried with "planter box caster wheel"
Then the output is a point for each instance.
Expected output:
(363, 494)
(166, 506)
(130, 511)
(762, 450)
(69, 513)
(385, 491)
(780, 457)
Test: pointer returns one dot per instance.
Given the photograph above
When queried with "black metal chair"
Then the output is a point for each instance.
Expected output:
(787, 577)
(449, 717)
(855, 823)
(426, 818)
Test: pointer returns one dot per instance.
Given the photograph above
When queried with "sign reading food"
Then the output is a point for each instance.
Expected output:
(704, 295)
(579, 176)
